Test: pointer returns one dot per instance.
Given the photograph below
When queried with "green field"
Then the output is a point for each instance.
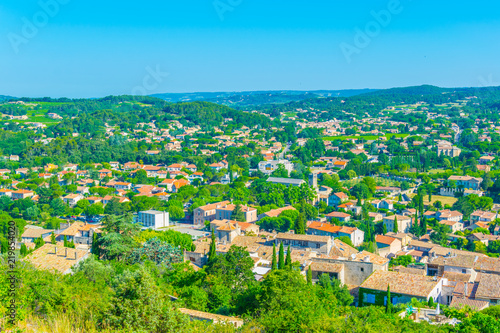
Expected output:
(366, 137)
(444, 200)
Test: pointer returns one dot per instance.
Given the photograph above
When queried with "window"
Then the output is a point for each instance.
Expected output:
(464, 271)
(318, 245)
(370, 298)
(362, 269)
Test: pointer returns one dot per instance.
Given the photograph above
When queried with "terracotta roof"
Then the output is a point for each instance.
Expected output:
(214, 205)
(400, 283)
(487, 264)
(489, 287)
(73, 229)
(46, 258)
(277, 212)
(338, 214)
(384, 239)
(371, 257)
(35, 232)
(409, 270)
(326, 267)
(310, 238)
(474, 304)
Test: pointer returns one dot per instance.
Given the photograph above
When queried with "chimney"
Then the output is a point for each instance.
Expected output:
(55, 250)
(75, 254)
(66, 253)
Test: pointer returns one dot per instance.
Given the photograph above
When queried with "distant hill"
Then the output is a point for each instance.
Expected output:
(254, 98)
(415, 90)
(4, 98)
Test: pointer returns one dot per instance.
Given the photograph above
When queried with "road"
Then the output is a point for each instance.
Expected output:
(283, 153)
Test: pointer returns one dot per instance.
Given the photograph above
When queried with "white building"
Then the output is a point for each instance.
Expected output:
(153, 219)
(268, 167)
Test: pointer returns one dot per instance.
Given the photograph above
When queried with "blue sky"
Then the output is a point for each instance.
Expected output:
(97, 48)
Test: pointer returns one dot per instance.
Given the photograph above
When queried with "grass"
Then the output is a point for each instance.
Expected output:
(366, 137)
(378, 180)
(437, 171)
(444, 200)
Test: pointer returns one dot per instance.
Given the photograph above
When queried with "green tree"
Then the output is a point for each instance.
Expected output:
(309, 275)
(396, 226)
(52, 238)
(24, 250)
(388, 304)
(39, 242)
(212, 253)
(274, 264)
(138, 305)
(281, 261)
(95, 245)
(158, 252)
(118, 237)
(288, 260)
(237, 214)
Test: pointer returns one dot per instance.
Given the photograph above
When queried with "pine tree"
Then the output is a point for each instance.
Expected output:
(309, 275)
(396, 227)
(281, 261)
(53, 238)
(238, 214)
(213, 248)
(274, 265)
(288, 260)
(388, 304)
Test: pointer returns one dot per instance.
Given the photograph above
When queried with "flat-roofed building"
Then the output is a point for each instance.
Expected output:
(286, 181)
(268, 167)
(153, 219)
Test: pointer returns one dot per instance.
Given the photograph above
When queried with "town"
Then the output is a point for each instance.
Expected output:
(387, 200)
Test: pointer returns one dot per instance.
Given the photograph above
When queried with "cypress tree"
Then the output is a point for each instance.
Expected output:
(23, 250)
(396, 227)
(431, 302)
(300, 224)
(95, 246)
(309, 275)
(384, 229)
(65, 241)
(39, 242)
(213, 248)
(281, 261)
(53, 238)
(288, 261)
(421, 203)
(424, 226)
(274, 265)
(388, 304)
